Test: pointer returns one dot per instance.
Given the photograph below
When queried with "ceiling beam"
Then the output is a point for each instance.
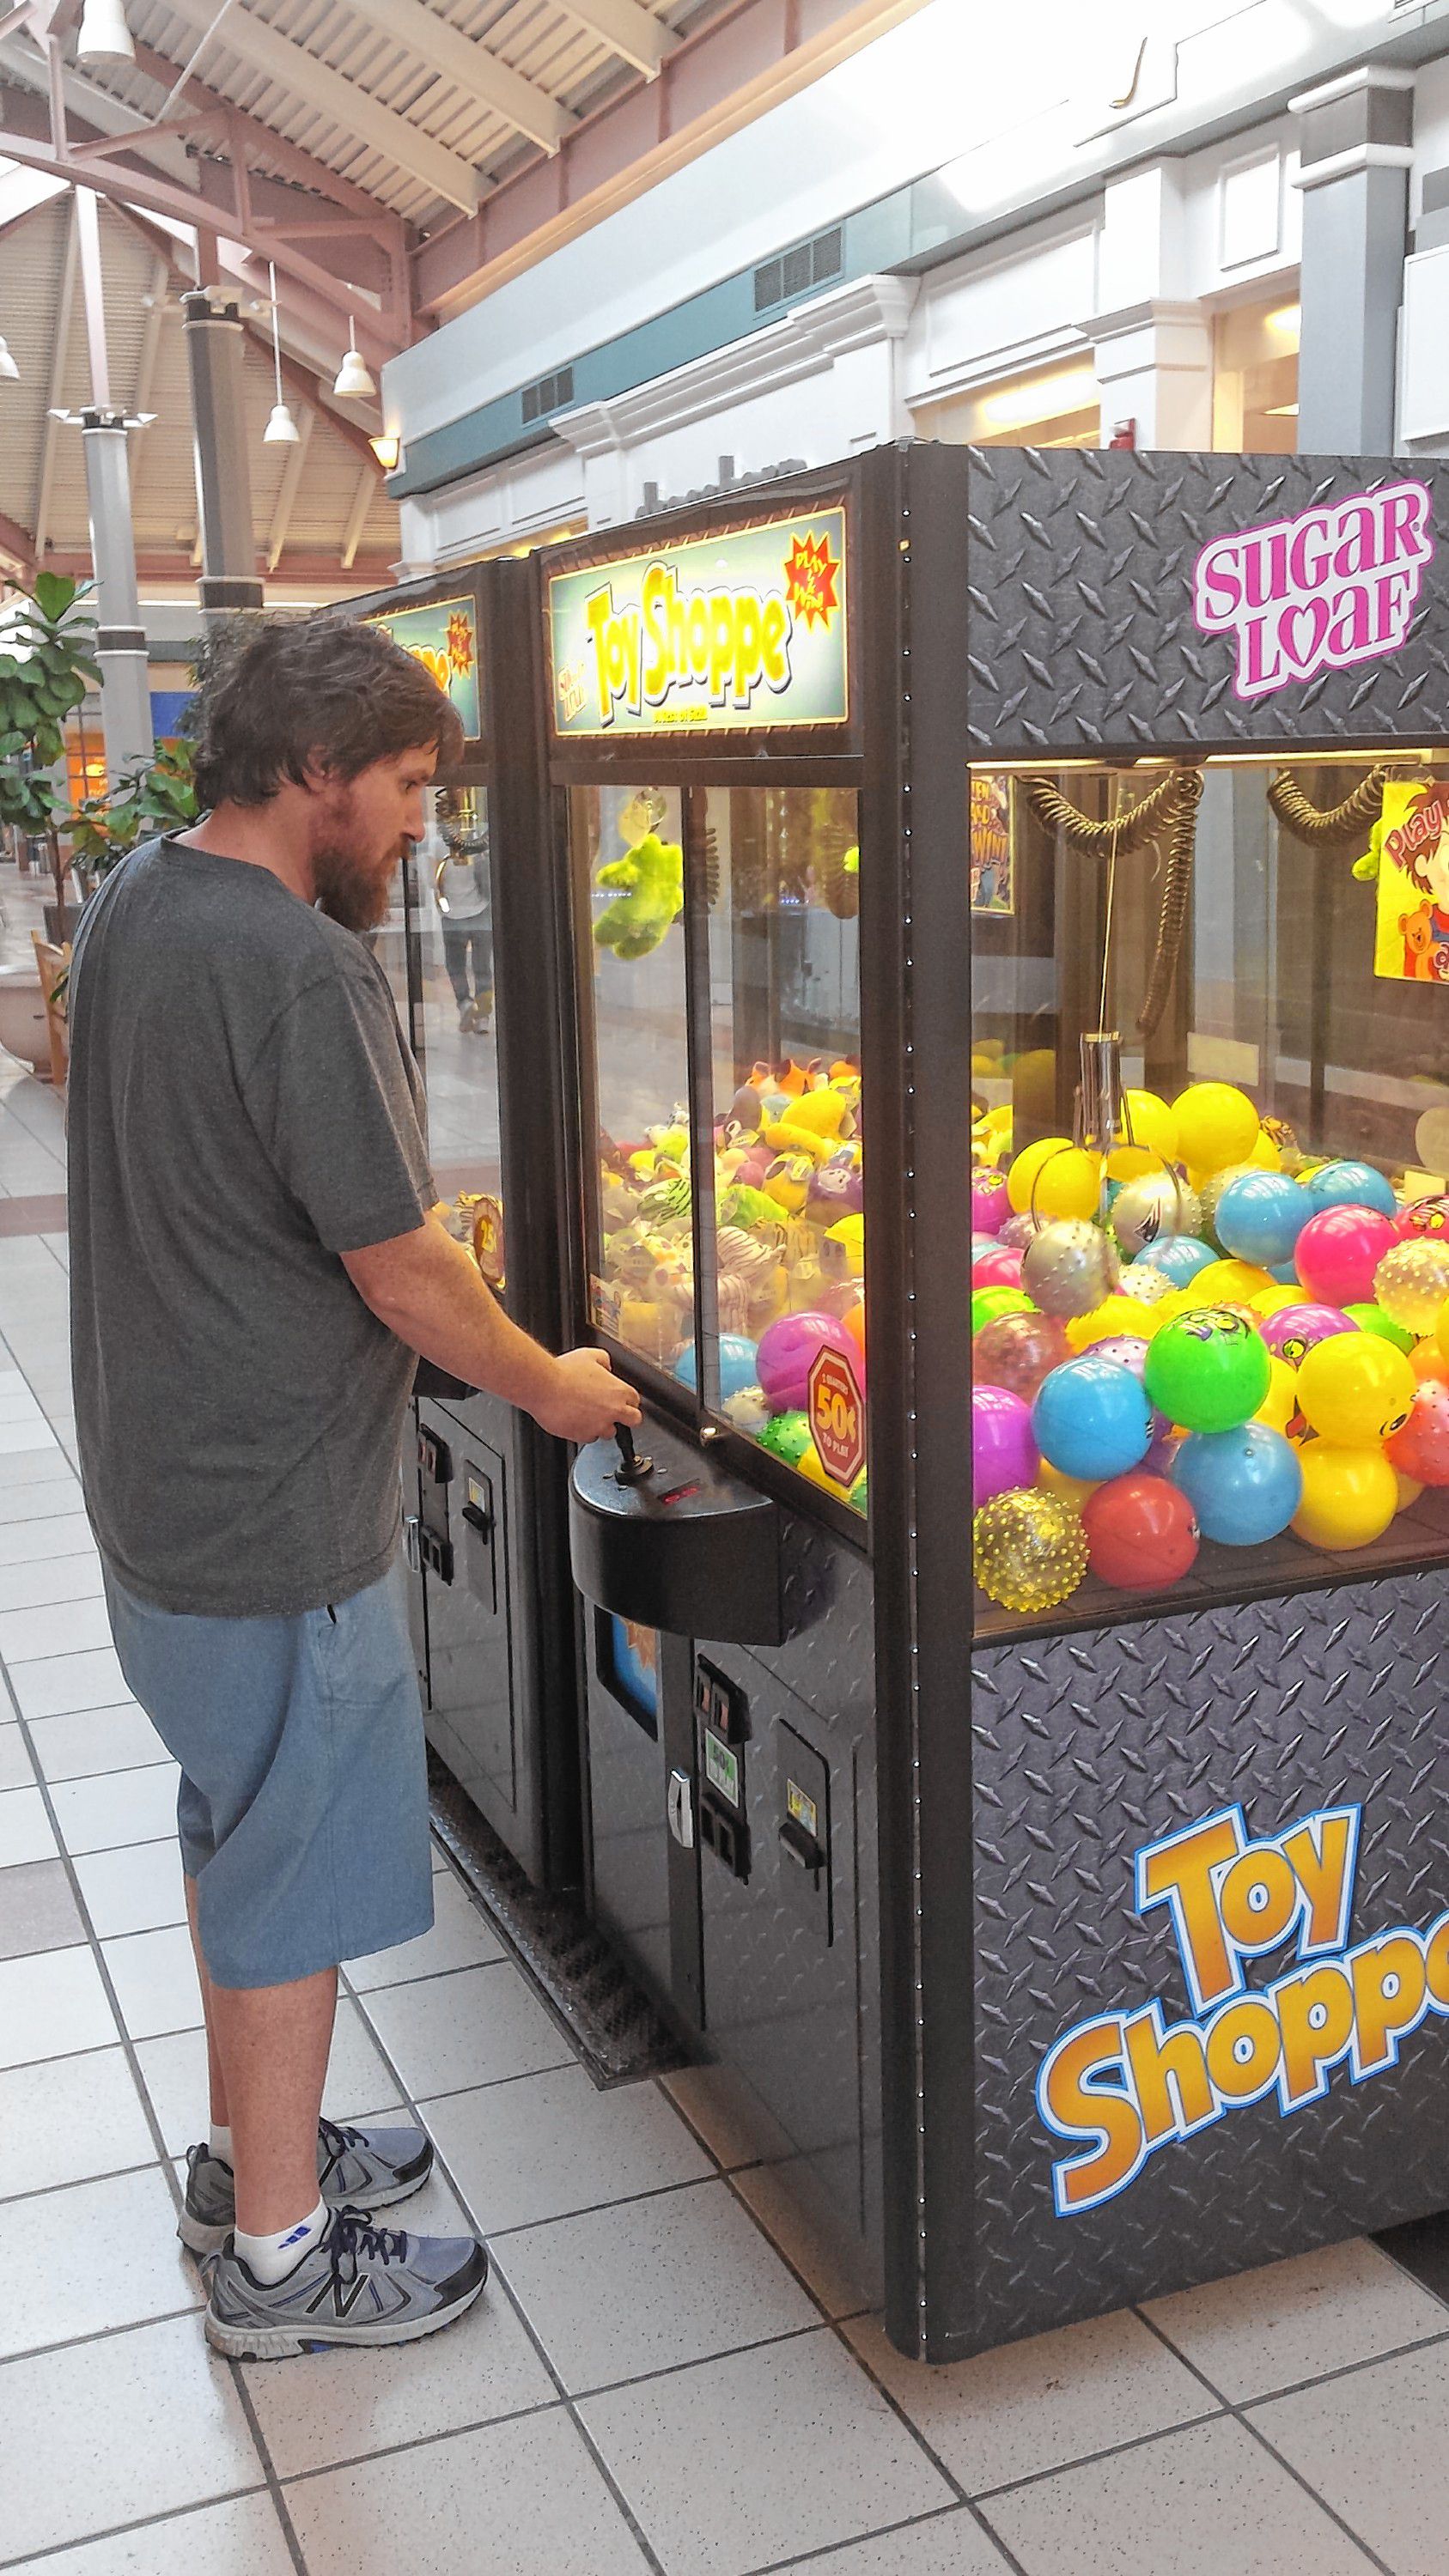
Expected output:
(313, 567)
(17, 547)
(330, 94)
(626, 29)
(288, 488)
(55, 391)
(362, 501)
(275, 149)
(470, 67)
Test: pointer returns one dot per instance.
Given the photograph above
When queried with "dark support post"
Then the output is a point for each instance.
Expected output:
(229, 579)
(1355, 136)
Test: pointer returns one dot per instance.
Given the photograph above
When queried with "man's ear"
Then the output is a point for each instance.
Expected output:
(318, 774)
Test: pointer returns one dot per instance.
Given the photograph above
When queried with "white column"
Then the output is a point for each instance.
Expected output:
(1152, 346)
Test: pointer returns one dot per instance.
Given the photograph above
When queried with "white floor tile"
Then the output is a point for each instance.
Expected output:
(163, 2427)
(50, 1578)
(240, 2538)
(25, 1830)
(549, 2145)
(1297, 2320)
(52, 2006)
(524, 2498)
(950, 2544)
(58, 1628)
(714, 2284)
(70, 2118)
(1375, 2445)
(137, 1889)
(1038, 2404)
(64, 1682)
(104, 2254)
(739, 2463)
(93, 1740)
(349, 2404)
(126, 1807)
(475, 2028)
(1195, 2503)
(824, 2267)
(174, 2073)
(154, 1975)
(29, 1537)
(20, 1443)
(460, 1938)
(17, 1771)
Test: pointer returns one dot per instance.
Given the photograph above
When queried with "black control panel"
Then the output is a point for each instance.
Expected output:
(722, 1712)
(669, 1540)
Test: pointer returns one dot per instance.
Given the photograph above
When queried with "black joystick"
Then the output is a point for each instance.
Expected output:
(632, 1469)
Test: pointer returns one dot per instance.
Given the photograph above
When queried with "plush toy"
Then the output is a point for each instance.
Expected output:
(648, 884)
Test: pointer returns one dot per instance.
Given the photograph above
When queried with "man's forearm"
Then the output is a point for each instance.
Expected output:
(441, 1307)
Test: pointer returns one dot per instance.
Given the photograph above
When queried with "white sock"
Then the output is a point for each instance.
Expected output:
(269, 2259)
(221, 2143)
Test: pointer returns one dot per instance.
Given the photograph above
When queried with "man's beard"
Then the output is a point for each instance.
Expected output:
(357, 896)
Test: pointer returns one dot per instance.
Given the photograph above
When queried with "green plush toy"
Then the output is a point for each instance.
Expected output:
(1367, 868)
(648, 883)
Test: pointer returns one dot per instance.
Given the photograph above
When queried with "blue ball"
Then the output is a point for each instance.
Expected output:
(739, 1365)
(1285, 1272)
(1260, 1217)
(1350, 1185)
(1182, 1256)
(1244, 1485)
(1091, 1418)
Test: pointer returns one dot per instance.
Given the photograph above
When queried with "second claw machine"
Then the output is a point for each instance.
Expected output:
(1011, 932)
(474, 954)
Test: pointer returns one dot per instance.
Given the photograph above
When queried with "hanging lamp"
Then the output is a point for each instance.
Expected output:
(104, 36)
(9, 372)
(281, 429)
(354, 380)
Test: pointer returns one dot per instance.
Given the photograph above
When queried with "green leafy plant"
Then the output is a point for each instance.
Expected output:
(46, 662)
(153, 796)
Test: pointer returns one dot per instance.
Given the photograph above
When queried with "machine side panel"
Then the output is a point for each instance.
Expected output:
(1082, 601)
(1087, 1749)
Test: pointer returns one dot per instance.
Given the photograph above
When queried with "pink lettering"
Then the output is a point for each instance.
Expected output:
(1335, 586)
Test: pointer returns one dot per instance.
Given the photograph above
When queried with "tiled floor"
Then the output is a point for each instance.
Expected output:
(666, 2372)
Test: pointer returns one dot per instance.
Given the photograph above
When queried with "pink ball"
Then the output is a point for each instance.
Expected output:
(787, 1351)
(990, 1202)
(1423, 1216)
(1295, 1329)
(1004, 1454)
(1339, 1250)
(998, 1269)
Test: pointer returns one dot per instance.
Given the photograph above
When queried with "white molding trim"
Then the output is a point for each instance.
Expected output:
(991, 366)
(866, 313)
(1356, 157)
(1366, 76)
(1152, 314)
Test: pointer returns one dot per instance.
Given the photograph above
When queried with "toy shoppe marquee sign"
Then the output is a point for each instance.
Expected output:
(723, 634)
(1336, 586)
(444, 638)
(1126, 2085)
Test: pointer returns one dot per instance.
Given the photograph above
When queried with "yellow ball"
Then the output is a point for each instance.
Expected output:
(1055, 1178)
(1115, 1315)
(1148, 1121)
(1270, 1301)
(1355, 1389)
(1409, 1491)
(1216, 1124)
(1266, 1156)
(1349, 1495)
(1131, 1163)
(1072, 1490)
(1411, 1284)
(1231, 1283)
(1441, 1329)
(1281, 1401)
(1030, 1550)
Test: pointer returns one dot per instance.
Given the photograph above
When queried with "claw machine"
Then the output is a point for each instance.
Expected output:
(1011, 917)
(473, 949)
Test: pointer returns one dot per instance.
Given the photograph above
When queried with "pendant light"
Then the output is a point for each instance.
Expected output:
(9, 372)
(104, 36)
(354, 381)
(281, 429)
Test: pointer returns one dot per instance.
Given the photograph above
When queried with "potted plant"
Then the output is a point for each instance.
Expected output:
(46, 662)
(154, 796)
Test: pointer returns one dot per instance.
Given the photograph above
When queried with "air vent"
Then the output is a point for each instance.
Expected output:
(796, 271)
(550, 393)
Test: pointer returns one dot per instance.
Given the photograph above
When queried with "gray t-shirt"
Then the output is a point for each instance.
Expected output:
(242, 1110)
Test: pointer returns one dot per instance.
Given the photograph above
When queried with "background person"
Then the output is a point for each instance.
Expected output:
(254, 1267)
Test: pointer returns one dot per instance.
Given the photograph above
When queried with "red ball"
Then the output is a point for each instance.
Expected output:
(1424, 1216)
(1421, 1448)
(999, 1268)
(1339, 1250)
(1141, 1532)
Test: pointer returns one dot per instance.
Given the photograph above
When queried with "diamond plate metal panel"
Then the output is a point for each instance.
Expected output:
(1086, 1747)
(1081, 618)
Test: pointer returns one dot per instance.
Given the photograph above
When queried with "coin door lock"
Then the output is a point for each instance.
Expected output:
(435, 1458)
(436, 1553)
(679, 1807)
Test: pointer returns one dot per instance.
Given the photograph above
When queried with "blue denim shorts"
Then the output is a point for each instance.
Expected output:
(303, 1807)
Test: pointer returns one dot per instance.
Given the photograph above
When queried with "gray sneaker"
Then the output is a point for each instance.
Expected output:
(366, 2168)
(358, 2287)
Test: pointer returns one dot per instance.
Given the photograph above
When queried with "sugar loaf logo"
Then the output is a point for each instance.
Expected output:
(1335, 586)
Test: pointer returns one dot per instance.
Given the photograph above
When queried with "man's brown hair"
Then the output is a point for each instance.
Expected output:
(276, 696)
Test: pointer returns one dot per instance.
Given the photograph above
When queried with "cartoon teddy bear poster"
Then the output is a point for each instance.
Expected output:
(1412, 846)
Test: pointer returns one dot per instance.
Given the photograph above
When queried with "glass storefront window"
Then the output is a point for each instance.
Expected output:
(628, 842)
(1049, 407)
(1255, 379)
(451, 921)
(782, 865)
(1210, 1153)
